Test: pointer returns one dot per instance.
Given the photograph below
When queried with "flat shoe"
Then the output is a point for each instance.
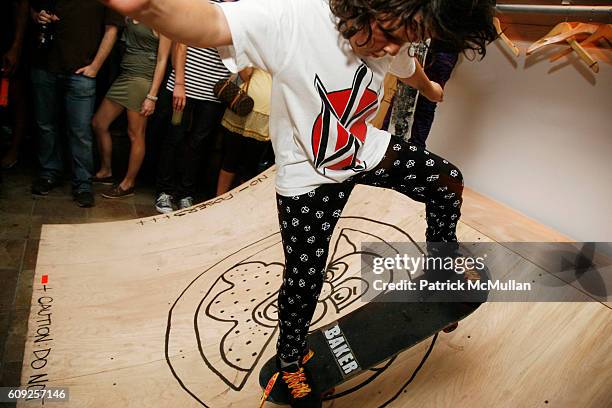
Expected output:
(118, 192)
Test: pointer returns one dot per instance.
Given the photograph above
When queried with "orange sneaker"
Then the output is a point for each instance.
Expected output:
(296, 384)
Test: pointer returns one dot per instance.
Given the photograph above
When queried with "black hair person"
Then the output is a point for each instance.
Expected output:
(461, 24)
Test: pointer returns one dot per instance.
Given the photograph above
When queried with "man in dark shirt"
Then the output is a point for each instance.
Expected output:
(63, 78)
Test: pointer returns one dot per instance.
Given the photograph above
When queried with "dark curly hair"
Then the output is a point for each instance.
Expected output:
(461, 24)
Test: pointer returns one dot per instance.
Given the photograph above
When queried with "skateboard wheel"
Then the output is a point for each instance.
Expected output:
(328, 393)
(450, 327)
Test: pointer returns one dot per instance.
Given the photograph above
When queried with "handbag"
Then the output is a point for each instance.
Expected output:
(236, 99)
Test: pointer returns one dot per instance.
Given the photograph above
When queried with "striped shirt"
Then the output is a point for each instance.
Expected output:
(203, 69)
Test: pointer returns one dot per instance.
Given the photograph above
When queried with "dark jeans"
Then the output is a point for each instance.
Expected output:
(181, 148)
(72, 96)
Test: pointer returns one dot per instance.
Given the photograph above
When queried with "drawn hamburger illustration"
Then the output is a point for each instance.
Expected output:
(223, 326)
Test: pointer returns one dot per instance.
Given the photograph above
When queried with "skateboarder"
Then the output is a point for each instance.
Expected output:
(328, 59)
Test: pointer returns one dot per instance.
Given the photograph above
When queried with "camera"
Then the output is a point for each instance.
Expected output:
(46, 35)
(46, 32)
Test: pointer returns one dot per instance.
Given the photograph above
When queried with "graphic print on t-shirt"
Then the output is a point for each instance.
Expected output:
(340, 129)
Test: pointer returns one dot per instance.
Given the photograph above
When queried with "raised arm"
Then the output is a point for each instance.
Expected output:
(193, 22)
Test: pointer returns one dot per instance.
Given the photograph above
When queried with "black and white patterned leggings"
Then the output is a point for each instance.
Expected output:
(307, 222)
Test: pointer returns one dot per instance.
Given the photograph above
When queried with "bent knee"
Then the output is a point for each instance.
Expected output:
(450, 181)
(98, 125)
(455, 174)
(135, 134)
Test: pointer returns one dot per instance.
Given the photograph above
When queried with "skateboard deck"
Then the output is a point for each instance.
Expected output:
(367, 337)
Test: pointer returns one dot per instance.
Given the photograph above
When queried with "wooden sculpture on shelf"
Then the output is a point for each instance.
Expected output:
(511, 46)
(567, 32)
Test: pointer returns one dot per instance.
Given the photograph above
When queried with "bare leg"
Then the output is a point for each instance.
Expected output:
(106, 114)
(137, 124)
(224, 183)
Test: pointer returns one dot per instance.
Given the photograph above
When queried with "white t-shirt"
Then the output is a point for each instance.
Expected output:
(323, 94)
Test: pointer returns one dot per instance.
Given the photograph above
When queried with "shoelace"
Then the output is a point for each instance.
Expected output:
(296, 383)
(307, 357)
(164, 199)
(273, 379)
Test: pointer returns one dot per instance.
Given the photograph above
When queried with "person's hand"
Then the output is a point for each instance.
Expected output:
(246, 74)
(148, 107)
(10, 61)
(178, 97)
(89, 71)
(434, 92)
(44, 17)
(127, 7)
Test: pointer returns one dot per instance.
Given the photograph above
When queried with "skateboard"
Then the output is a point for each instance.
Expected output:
(366, 337)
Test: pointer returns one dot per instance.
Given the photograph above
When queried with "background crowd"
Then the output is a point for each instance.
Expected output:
(80, 79)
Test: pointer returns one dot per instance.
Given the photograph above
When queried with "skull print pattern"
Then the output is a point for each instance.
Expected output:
(307, 223)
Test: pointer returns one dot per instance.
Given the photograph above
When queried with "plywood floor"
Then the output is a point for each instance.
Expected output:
(178, 311)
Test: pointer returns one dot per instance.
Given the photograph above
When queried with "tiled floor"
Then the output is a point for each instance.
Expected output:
(21, 217)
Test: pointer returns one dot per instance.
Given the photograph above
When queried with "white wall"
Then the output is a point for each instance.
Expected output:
(534, 135)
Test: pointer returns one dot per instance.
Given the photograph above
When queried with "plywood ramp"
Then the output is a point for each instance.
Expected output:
(179, 311)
